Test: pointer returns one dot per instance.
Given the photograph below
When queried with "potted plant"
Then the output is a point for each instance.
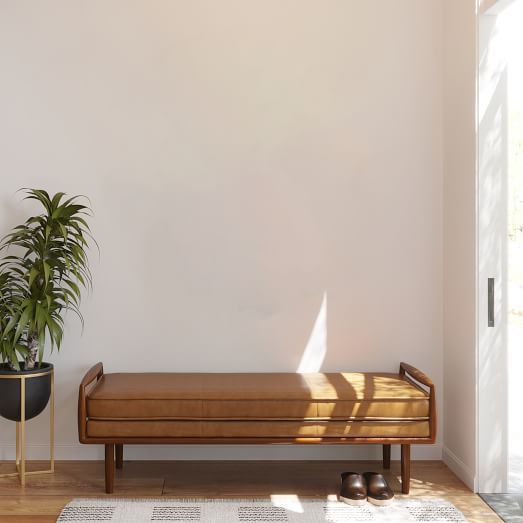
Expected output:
(42, 272)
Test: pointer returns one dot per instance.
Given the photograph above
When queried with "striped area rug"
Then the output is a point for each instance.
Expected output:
(280, 509)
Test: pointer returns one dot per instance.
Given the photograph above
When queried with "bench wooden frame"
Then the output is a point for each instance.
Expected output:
(114, 446)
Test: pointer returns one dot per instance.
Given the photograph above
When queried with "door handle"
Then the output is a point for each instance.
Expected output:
(490, 292)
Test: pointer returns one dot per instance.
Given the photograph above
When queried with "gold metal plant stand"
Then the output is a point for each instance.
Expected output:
(20, 428)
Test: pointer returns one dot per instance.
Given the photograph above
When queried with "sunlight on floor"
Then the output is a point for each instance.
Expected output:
(289, 502)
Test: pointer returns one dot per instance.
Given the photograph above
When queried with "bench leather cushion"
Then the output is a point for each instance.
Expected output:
(159, 397)
(257, 429)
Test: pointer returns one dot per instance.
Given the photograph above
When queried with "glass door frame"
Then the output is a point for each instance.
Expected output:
(492, 422)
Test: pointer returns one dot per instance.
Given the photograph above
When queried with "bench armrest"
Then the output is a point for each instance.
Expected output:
(94, 373)
(405, 368)
(413, 374)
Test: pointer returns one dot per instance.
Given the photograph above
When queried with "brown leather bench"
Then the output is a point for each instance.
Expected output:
(271, 408)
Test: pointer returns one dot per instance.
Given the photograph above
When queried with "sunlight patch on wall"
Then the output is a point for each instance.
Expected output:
(316, 349)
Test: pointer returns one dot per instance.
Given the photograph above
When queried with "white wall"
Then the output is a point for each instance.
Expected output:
(459, 131)
(242, 159)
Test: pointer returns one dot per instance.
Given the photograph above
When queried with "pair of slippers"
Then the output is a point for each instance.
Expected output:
(357, 489)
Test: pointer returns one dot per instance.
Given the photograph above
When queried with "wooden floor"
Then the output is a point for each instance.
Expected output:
(44, 496)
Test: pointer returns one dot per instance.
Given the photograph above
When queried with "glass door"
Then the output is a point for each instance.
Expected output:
(500, 248)
(513, 25)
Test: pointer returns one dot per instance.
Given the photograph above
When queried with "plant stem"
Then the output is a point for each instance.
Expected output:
(32, 345)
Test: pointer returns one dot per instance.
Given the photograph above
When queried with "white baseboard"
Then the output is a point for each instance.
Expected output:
(224, 452)
(459, 468)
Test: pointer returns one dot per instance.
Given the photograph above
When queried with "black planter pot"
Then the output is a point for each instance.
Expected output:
(37, 391)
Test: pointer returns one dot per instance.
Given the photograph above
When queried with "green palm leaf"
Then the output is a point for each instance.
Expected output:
(44, 275)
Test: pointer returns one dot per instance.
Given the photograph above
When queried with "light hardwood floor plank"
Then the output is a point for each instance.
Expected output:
(43, 497)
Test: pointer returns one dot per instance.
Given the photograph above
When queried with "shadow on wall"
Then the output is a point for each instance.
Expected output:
(316, 349)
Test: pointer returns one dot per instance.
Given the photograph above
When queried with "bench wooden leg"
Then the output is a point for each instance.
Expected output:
(405, 469)
(109, 468)
(119, 456)
(386, 456)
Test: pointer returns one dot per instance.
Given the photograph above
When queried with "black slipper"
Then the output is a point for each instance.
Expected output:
(378, 490)
(353, 488)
